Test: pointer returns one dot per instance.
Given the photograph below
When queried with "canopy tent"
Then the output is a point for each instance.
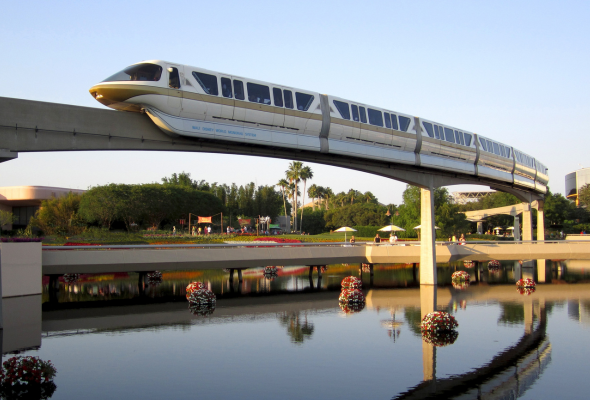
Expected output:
(345, 229)
(391, 228)
(420, 227)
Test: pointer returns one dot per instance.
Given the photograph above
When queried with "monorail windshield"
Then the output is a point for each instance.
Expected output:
(138, 72)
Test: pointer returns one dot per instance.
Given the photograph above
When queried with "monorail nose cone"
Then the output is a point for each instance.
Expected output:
(100, 94)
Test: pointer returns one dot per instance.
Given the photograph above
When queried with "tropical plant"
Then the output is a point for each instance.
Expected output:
(306, 173)
(283, 184)
(59, 216)
(6, 218)
(313, 193)
(293, 174)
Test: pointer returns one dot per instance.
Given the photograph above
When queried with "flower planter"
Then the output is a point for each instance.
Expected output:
(351, 282)
(460, 276)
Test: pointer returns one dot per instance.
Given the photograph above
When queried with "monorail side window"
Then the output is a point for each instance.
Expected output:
(304, 101)
(490, 146)
(394, 124)
(207, 82)
(429, 129)
(496, 148)
(375, 117)
(483, 144)
(342, 108)
(449, 137)
(239, 90)
(277, 94)
(467, 139)
(502, 151)
(363, 114)
(508, 152)
(258, 93)
(404, 123)
(355, 113)
(138, 72)
(459, 138)
(226, 87)
(288, 99)
(387, 120)
(173, 78)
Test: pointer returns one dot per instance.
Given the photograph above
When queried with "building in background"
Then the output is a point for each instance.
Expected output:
(24, 201)
(574, 181)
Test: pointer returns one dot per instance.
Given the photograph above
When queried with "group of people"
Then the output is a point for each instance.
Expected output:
(461, 240)
(198, 231)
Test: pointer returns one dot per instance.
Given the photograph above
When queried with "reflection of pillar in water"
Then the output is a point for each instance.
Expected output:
(414, 268)
(21, 323)
(529, 313)
(517, 271)
(528, 269)
(541, 271)
(428, 305)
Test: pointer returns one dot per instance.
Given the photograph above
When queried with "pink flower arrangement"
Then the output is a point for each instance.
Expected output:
(440, 339)
(154, 277)
(194, 286)
(26, 371)
(494, 264)
(201, 297)
(526, 291)
(201, 309)
(526, 283)
(468, 264)
(351, 282)
(460, 276)
(351, 296)
(276, 240)
(460, 285)
(351, 308)
(438, 321)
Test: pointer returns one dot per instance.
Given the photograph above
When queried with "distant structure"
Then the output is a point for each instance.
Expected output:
(467, 197)
(574, 181)
(24, 201)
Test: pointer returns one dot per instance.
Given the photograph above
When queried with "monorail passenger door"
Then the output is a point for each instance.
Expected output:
(175, 73)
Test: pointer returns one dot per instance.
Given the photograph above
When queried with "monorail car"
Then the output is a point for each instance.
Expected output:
(190, 101)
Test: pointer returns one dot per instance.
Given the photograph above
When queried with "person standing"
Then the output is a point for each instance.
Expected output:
(377, 239)
(200, 230)
(173, 231)
(209, 230)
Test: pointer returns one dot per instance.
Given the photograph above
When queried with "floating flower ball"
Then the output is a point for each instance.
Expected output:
(460, 285)
(351, 282)
(526, 283)
(201, 309)
(71, 278)
(525, 291)
(202, 296)
(440, 338)
(270, 270)
(460, 276)
(468, 264)
(351, 308)
(438, 321)
(323, 268)
(27, 371)
(351, 296)
(494, 264)
(194, 286)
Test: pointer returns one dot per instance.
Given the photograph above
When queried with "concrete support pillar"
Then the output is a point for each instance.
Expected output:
(516, 228)
(480, 227)
(527, 222)
(541, 271)
(428, 305)
(239, 275)
(540, 220)
(427, 238)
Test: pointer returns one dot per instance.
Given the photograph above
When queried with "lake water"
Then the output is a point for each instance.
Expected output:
(117, 336)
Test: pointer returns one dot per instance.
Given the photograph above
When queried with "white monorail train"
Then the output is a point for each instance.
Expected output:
(196, 102)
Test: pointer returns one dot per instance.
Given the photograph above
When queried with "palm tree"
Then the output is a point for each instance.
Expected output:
(294, 176)
(306, 173)
(351, 195)
(283, 184)
(292, 192)
(327, 194)
(313, 193)
(369, 197)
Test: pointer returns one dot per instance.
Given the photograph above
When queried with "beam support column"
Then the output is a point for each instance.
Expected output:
(540, 220)
(480, 227)
(427, 238)
(516, 228)
(527, 222)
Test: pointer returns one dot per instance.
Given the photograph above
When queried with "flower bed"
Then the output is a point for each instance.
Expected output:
(202, 297)
(351, 296)
(194, 286)
(460, 285)
(154, 278)
(460, 276)
(80, 244)
(526, 283)
(71, 278)
(276, 240)
(351, 282)
(525, 291)
(440, 339)
(438, 321)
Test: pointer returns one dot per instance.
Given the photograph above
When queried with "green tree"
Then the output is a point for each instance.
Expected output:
(315, 222)
(59, 216)
(99, 204)
(306, 173)
(313, 193)
(293, 174)
(184, 179)
(584, 195)
(557, 209)
(283, 184)
(357, 214)
(6, 218)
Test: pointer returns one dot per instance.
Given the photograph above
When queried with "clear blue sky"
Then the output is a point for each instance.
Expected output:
(514, 71)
